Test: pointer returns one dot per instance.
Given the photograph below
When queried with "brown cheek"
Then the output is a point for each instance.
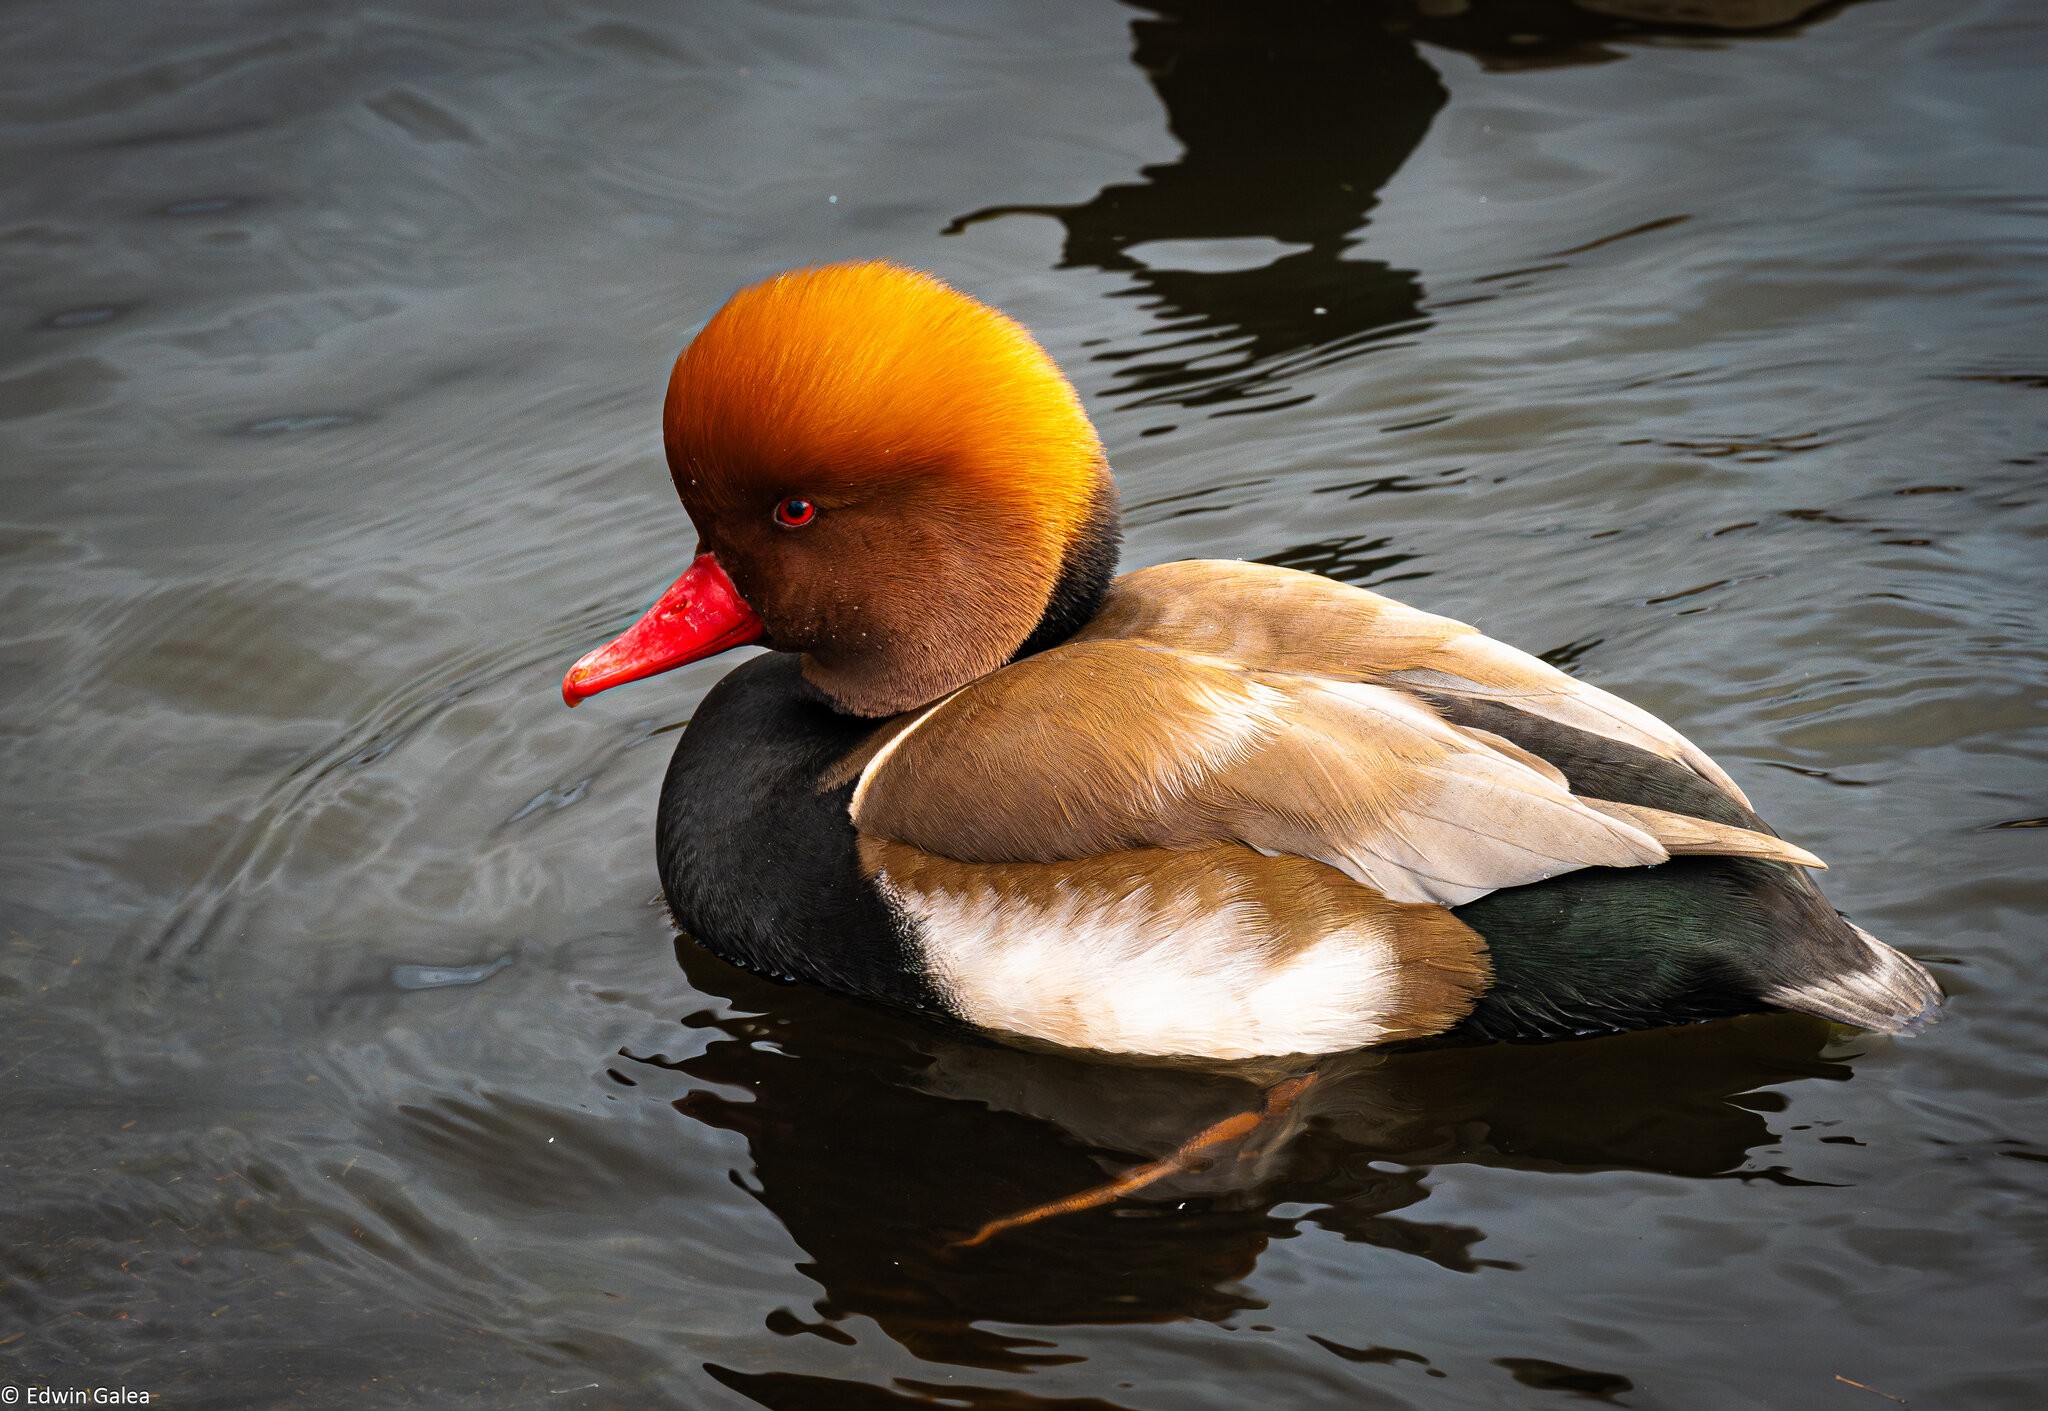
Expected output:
(926, 593)
(786, 583)
(845, 595)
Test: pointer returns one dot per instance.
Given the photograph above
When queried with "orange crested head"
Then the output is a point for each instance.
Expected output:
(896, 478)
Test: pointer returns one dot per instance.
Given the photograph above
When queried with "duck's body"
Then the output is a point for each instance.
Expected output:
(1207, 809)
(1211, 948)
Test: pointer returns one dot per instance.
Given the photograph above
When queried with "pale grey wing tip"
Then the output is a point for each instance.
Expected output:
(1891, 993)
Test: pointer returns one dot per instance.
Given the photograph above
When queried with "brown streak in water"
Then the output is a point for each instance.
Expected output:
(1872, 1390)
(1189, 1156)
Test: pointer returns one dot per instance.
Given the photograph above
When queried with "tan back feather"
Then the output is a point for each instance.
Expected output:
(1261, 616)
(1238, 703)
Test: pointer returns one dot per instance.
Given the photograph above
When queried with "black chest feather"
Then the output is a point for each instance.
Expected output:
(757, 864)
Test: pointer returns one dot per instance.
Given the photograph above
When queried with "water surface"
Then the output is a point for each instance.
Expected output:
(346, 1055)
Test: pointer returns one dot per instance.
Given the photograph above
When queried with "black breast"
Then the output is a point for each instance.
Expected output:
(757, 864)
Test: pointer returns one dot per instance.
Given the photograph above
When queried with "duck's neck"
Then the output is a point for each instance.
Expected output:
(1085, 572)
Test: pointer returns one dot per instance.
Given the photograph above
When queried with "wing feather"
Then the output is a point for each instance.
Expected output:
(1219, 703)
(1283, 620)
(1129, 745)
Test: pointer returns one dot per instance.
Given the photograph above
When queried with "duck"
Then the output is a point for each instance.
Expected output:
(1206, 811)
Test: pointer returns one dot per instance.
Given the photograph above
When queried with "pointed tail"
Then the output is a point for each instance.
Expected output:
(1891, 992)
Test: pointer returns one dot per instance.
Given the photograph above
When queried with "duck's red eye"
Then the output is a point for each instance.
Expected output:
(795, 512)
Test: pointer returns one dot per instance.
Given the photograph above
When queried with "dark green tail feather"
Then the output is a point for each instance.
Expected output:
(1694, 938)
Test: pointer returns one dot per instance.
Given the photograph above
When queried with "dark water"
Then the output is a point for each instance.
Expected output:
(345, 1057)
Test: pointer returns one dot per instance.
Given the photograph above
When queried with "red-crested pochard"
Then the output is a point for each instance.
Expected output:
(1214, 809)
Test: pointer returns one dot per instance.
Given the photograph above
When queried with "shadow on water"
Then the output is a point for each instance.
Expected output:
(878, 1140)
(1291, 120)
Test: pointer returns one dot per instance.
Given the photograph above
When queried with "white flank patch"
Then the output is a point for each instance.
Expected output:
(1142, 974)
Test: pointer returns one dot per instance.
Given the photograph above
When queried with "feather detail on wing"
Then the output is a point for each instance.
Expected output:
(1239, 703)
(1478, 667)
(1106, 745)
(1257, 615)
(1682, 835)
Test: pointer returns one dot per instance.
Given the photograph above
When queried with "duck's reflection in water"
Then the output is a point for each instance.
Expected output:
(1291, 119)
(880, 1140)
